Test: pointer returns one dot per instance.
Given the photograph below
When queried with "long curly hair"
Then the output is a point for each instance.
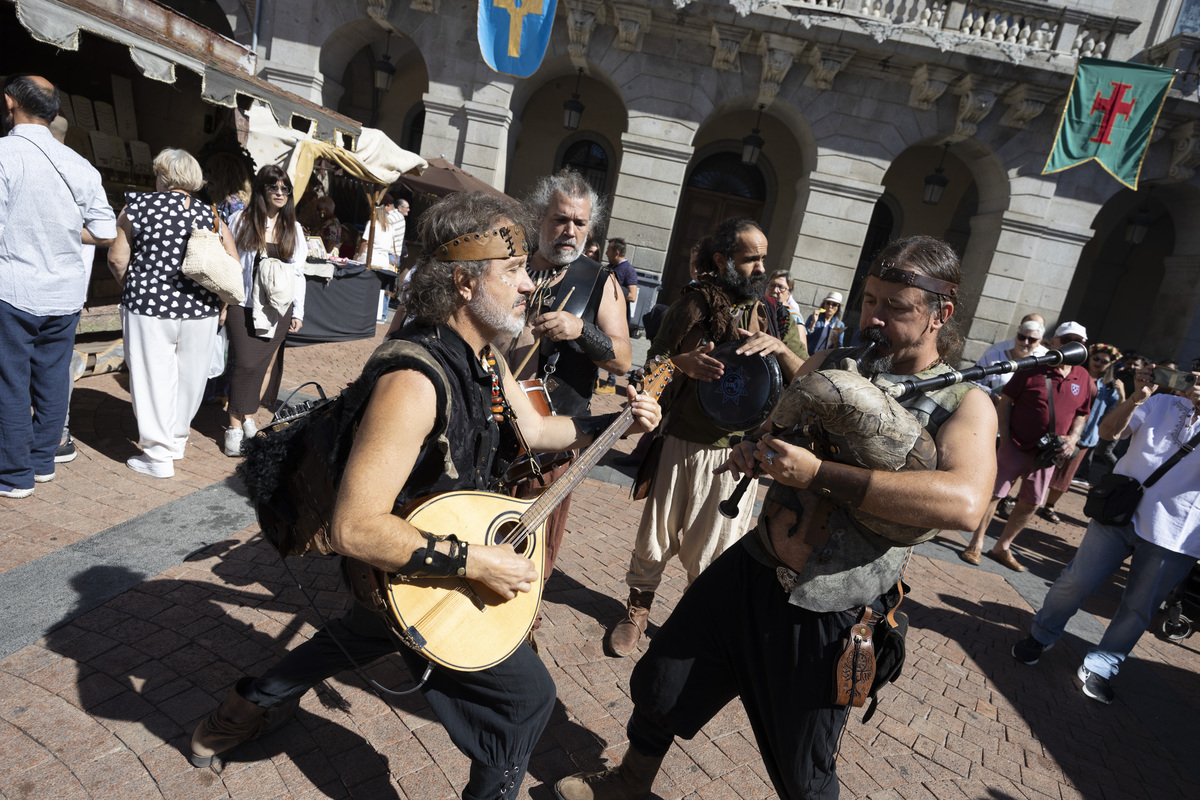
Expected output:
(431, 296)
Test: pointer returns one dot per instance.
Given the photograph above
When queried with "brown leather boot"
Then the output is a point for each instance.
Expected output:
(235, 721)
(625, 635)
(630, 781)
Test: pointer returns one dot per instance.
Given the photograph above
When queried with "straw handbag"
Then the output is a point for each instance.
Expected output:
(207, 263)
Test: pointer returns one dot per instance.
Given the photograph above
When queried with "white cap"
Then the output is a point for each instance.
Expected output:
(834, 296)
(1071, 329)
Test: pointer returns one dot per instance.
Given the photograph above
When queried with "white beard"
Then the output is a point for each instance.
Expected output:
(492, 314)
(548, 251)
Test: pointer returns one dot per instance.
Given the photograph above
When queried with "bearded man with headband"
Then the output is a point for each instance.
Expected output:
(434, 411)
(681, 515)
(577, 315)
(767, 620)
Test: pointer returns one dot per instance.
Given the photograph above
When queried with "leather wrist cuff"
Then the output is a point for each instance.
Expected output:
(594, 426)
(427, 562)
(595, 344)
(841, 483)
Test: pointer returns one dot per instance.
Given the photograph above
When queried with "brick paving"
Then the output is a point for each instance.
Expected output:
(103, 705)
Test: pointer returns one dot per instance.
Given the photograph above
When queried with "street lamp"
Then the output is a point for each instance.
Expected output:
(384, 70)
(752, 145)
(573, 109)
(936, 182)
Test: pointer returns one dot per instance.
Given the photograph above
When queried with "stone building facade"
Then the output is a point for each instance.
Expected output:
(856, 101)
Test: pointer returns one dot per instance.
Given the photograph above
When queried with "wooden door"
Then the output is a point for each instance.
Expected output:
(701, 210)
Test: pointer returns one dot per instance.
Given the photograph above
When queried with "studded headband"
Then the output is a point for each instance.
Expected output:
(504, 242)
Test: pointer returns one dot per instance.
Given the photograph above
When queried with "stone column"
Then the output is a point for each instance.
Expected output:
(467, 133)
(1176, 308)
(836, 215)
(647, 196)
(1016, 264)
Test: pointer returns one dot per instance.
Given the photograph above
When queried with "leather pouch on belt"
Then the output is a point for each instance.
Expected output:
(855, 669)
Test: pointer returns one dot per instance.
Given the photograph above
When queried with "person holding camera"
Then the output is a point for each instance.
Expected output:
(1040, 416)
(1160, 530)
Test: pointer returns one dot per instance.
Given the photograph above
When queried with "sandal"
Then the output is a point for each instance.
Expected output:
(1048, 513)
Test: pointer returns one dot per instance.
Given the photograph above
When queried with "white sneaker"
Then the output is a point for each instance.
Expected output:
(155, 469)
(233, 442)
(43, 478)
(249, 428)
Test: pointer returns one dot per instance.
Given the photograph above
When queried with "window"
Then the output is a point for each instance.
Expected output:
(589, 159)
(726, 174)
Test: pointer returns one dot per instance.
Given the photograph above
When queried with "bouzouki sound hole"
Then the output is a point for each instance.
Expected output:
(510, 532)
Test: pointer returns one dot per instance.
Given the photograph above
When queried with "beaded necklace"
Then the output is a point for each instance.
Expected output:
(499, 404)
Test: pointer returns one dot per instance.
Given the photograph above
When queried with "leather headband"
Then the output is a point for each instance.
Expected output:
(892, 274)
(505, 242)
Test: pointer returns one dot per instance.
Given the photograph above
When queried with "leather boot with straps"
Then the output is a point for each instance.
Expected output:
(631, 780)
(625, 635)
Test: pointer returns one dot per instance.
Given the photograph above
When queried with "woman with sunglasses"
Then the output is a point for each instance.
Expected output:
(1101, 365)
(265, 229)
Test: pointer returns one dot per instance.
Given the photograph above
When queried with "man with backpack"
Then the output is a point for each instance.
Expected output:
(434, 411)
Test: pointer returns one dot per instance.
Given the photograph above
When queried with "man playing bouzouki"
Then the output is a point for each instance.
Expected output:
(439, 418)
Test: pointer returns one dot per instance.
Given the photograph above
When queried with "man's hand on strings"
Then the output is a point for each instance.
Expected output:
(501, 569)
(646, 411)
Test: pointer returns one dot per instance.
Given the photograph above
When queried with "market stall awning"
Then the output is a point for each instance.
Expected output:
(160, 39)
(376, 159)
(443, 178)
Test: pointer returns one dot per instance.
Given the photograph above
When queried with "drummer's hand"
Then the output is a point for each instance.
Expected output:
(500, 569)
(741, 461)
(698, 364)
(790, 464)
(557, 326)
(760, 344)
(646, 411)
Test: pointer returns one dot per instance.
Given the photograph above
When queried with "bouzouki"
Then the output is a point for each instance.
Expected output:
(463, 624)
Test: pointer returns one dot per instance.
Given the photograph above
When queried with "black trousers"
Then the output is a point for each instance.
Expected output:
(734, 634)
(494, 716)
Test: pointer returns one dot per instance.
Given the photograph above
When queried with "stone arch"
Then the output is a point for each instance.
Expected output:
(1142, 295)
(537, 137)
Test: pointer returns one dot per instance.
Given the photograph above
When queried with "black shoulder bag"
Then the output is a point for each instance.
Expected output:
(1114, 499)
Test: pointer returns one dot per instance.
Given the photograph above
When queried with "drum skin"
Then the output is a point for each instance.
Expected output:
(847, 419)
(743, 397)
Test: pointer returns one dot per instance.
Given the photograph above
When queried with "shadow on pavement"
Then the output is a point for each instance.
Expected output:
(1104, 751)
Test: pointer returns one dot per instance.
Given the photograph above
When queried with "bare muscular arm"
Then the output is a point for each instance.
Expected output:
(398, 418)
(611, 319)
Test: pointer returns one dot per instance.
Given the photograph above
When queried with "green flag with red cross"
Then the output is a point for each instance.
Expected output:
(1110, 115)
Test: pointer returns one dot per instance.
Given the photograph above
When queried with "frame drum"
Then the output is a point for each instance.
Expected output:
(742, 398)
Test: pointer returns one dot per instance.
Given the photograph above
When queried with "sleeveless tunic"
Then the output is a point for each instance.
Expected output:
(155, 285)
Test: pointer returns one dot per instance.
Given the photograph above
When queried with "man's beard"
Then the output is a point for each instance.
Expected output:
(549, 249)
(743, 287)
(491, 313)
(873, 362)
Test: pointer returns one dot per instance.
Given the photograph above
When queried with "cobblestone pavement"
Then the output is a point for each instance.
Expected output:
(100, 701)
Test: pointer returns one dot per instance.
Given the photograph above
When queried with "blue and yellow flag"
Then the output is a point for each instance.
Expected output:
(513, 34)
(1110, 115)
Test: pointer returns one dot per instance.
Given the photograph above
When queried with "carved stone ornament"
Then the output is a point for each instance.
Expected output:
(946, 40)
(778, 54)
(929, 82)
(878, 30)
(425, 6)
(632, 21)
(1185, 156)
(727, 41)
(378, 10)
(1025, 102)
(826, 62)
(581, 21)
(976, 97)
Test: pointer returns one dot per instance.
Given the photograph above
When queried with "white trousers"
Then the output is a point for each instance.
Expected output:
(681, 515)
(168, 362)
